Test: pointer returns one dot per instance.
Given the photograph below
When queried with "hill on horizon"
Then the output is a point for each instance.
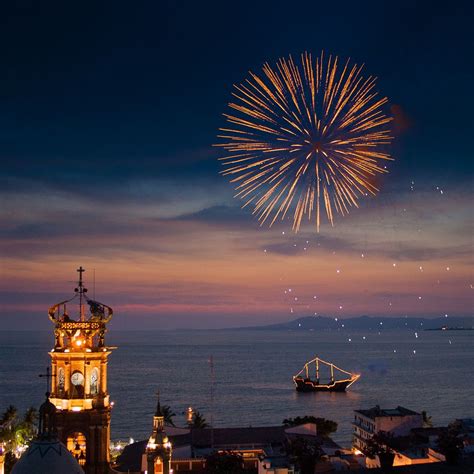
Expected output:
(322, 323)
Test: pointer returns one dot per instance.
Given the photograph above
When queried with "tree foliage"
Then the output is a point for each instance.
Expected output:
(199, 421)
(304, 454)
(450, 444)
(16, 432)
(379, 444)
(168, 415)
(427, 419)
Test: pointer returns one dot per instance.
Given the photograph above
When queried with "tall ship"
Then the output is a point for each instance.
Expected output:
(304, 382)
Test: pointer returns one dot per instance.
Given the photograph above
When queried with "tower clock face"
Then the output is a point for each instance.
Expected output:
(77, 378)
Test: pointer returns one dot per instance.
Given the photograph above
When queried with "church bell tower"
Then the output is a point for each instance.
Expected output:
(79, 378)
(158, 449)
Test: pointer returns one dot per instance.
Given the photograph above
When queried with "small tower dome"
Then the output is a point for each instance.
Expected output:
(47, 457)
(46, 454)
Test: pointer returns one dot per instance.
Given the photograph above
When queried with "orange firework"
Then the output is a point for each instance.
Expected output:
(303, 136)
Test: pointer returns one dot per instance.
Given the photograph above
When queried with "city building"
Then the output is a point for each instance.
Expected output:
(395, 421)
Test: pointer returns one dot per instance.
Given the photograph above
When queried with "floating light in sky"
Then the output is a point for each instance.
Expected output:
(305, 137)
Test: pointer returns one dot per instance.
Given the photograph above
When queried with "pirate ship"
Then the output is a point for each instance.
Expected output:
(304, 383)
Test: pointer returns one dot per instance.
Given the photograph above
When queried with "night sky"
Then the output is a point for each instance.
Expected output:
(107, 119)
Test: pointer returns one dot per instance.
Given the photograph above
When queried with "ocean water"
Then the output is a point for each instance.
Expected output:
(253, 375)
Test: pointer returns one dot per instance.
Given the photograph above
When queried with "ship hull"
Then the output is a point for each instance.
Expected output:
(308, 385)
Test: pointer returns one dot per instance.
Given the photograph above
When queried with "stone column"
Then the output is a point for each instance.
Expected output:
(67, 378)
(103, 377)
(54, 378)
(87, 381)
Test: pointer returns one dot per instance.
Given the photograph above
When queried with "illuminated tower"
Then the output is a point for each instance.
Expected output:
(158, 449)
(79, 378)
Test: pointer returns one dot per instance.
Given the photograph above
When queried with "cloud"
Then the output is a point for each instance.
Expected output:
(219, 215)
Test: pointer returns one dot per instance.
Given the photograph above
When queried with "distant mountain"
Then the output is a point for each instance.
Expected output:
(322, 323)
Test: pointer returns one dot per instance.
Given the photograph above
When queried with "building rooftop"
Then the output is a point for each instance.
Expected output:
(269, 438)
(258, 436)
(377, 412)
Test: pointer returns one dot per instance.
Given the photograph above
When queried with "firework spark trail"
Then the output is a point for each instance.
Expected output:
(305, 136)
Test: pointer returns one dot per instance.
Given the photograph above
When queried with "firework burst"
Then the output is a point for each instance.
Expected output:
(305, 137)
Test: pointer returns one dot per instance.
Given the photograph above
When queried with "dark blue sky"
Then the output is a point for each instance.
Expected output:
(108, 111)
(101, 90)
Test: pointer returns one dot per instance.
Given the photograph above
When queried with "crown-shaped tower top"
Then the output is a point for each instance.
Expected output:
(86, 329)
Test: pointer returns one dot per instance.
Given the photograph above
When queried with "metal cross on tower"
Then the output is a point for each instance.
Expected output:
(80, 270)
(48, 376)
(81, 290)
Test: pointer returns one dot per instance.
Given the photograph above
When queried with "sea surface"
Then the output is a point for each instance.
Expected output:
(253, 369)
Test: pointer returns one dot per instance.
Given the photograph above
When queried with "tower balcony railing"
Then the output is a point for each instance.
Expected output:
(79, 404)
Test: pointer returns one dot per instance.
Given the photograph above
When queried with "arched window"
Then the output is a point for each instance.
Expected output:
(61, 379)
(95, 381)
(76, 444)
